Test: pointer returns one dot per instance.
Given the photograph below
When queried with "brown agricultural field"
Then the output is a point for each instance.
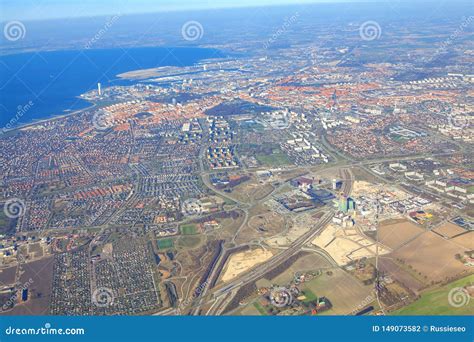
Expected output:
(449, 230)
(465, 240)
(7, 276)
(38, 277)
(400, 273)
(344, 291)
(432, 256)
(393, 235)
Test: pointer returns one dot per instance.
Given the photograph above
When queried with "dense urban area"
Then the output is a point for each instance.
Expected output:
(294, 176)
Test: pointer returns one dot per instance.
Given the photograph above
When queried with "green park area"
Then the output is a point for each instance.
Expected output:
(277, 158)
(165, 243)
(188, 229)
(436, 301)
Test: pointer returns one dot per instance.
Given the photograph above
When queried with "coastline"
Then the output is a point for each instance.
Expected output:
(190, 55)
(50, 119)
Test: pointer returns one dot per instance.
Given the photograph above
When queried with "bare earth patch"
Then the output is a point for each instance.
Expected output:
(395, 235)
(465, 240)
(243, 261)
(432, 256)
(449, 230)
(345, 245)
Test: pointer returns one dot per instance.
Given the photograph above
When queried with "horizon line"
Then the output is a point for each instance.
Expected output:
(194, 8)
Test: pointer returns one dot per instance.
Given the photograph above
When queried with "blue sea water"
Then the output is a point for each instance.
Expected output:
(48, 83)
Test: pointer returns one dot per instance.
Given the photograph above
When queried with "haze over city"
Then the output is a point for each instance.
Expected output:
(238, 158)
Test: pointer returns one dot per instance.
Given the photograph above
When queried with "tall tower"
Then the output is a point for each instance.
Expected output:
(99, 89)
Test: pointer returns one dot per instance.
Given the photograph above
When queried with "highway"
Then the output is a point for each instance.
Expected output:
(220, 296)
(257, 272)
(224, 294)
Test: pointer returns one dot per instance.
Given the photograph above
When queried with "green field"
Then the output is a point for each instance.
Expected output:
(228, 201)
(7, 226)
(277, 158)
(310, 296)
(165, 243)
(398, 138)
(188, 229)
(435, 302)
(260, 309)
(189, 241)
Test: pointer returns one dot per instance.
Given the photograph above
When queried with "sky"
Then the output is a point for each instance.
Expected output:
(49, 9)
(53, 9)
